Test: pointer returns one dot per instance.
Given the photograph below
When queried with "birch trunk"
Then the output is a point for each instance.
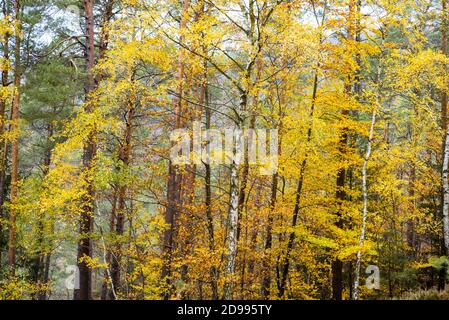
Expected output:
(365, 209)
(446, 192)
(232, 223)
(445, 246)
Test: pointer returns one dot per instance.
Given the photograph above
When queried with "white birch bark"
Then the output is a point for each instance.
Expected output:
(365, 208)
(233, 215)
(445, 183)
(444, 174)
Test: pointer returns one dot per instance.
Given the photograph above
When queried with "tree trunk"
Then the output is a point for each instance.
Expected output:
(245, 169)
(174, 177)
(45, 276)
(232, 227)
(446, 192)
(445, 184)
(87, 214)
(255, 231)
(337, 264)
(286, 261)
(340, 195)
(444, 51)
(365, 209)
(236, 194)
(266, 281)
(106, 278)
(15, 142)
(266, 263)
(208, 191)
(125, 157)
(4, 143)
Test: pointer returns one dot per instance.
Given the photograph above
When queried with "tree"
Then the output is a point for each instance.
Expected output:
(15, 143)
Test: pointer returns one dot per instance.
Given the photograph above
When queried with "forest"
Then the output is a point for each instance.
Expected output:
(224, 149)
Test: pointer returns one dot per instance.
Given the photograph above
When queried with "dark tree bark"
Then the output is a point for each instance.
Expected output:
(337, 264)
(15, 143)
(90, 149)
(266, 281)
(174, 177)
(352, 34)
(208, 191)
(4, 144)
(285, 265)
(444, 51)
(104, 287)
(125, 157)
